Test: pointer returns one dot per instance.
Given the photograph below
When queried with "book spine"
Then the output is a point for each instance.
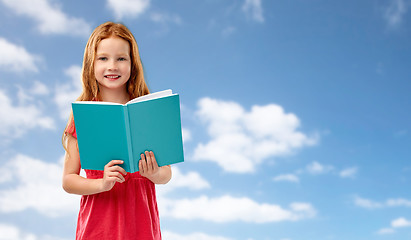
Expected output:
(129, 142)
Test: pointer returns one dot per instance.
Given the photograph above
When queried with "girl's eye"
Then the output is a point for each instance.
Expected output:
(122, 59)
(102, 58)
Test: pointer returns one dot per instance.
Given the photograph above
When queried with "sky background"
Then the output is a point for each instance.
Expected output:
(296, 114)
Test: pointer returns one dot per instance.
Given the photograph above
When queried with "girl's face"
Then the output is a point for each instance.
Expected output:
(112, 64)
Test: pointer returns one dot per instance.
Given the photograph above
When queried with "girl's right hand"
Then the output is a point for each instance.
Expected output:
(112, 174)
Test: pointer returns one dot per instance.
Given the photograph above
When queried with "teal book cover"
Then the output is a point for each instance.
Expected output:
(109, 131)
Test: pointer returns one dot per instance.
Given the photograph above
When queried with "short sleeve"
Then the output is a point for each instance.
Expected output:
(71, 129)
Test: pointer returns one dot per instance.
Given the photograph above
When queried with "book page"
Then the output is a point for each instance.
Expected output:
(158, 131)
(101, 135)
(147, 97)
(150, 96)
(97, 102)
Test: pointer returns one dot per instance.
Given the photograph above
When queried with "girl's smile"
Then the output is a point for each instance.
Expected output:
(112, 77)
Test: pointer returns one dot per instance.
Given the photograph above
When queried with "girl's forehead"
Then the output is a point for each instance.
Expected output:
(113, 44)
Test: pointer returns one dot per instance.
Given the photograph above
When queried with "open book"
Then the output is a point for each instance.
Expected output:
(109, 131)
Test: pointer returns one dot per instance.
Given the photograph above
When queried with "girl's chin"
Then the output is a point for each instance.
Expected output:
(113, 85)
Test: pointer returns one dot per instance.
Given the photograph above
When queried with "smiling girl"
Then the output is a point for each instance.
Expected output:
(114, 204)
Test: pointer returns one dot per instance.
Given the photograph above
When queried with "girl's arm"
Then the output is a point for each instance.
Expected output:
(149, 168)
(76, 184)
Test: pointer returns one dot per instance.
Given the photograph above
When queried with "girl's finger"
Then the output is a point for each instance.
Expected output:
(121, 177)
(118, 169)
(114, 162)
(143, 163)
(149, 161)
(153, 161)
(153, 157)
(140, 166)
(117, 175)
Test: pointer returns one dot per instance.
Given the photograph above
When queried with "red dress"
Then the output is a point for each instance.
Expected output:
(128, 211)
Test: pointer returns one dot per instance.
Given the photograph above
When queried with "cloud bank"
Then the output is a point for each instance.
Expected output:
(240, 140)
(15, 58)
(17, 118)
(50, 18)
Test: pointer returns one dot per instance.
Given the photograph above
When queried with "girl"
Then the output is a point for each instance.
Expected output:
(115, 204)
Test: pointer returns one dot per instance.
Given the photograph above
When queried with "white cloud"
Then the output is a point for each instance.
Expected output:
(221, 209)
(68, 92)
(317, 168)
(366, 203)
(286, 178)
(401, 222)
(229, 209)
(253, 10)
(25, 96)
(49, 17)
(186, 134)
(128, 8)
(241, 140)
(39, 89)
(383, 231)
(38, 187)
(399, 202)
(193, 236)
(396, 223)
(191, 180)
(6, 175)
(395, 12)
(15, 120)
(11, 232)
(349, 172)
(164, 18)
(392, 202)
(16, 58)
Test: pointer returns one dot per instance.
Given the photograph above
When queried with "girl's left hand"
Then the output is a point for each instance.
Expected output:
(148, 166)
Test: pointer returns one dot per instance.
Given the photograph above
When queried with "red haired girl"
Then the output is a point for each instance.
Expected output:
(114, 204)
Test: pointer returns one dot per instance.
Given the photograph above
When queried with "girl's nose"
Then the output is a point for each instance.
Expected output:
(112, 65)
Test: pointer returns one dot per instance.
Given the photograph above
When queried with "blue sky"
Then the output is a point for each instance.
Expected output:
(295, 114)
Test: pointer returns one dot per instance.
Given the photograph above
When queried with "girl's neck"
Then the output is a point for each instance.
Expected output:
(114, 96)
